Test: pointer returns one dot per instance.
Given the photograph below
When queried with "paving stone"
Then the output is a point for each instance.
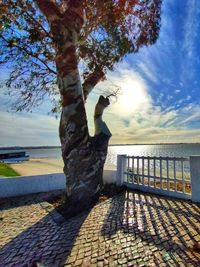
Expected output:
(78, 262)
(130, 229)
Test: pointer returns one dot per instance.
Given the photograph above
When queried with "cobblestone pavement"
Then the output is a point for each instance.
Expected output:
(130, 229)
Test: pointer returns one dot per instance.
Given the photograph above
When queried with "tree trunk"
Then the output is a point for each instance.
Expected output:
(83, 156)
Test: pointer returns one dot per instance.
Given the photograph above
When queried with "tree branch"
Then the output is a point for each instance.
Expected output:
(91, 81)
(49, 9)
(40, 26)
(100, 125)
(31, 55)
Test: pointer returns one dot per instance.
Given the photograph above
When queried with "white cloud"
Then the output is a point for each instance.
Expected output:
(148, 71)
(191, 114)
(21, 129)
(135, 119)
(190, 28)
(188, 97)
(132, 119)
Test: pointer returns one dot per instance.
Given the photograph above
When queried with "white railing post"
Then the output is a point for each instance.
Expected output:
(121, 168)
(195, 177)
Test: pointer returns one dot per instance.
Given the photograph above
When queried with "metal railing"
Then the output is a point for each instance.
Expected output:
(162, 175)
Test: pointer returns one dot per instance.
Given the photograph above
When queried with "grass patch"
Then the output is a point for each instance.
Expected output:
(7, 171)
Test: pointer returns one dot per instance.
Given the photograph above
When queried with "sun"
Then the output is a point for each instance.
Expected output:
(134, 96)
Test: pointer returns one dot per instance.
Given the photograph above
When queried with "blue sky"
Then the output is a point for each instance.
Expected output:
(160, 91)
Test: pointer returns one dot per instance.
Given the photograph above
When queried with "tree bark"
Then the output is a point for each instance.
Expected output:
(83, 156)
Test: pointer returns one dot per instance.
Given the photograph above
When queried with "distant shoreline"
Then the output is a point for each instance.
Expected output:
(158, 144)
(51, 147)
(28, 147)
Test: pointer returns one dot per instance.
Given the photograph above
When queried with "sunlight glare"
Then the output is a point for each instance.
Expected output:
(134, 96)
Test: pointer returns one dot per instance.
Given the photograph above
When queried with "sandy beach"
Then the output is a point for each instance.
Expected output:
(44, 166)
(38, 166)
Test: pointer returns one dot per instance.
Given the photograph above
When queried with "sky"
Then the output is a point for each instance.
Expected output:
(160, 99)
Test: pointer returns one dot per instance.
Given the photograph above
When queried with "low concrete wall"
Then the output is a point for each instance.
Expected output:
(23, 185)
(109, 176)
(195, 177)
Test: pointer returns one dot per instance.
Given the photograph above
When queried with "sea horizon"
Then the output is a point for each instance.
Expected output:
(184, 150)
(141, 144)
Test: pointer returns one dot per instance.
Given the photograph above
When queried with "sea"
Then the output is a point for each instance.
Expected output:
(166, 150)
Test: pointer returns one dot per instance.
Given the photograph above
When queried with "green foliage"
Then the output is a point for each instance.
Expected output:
(119, 27)
(113, 29)
(7, 171)
(28, 53)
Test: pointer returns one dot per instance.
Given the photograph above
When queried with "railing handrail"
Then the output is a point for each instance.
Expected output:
(156, 177)
(159, 158)
(171, 176)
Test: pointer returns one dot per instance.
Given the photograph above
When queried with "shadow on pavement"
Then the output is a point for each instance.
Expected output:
(130, 228)
(160, 228)
(46, 241)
